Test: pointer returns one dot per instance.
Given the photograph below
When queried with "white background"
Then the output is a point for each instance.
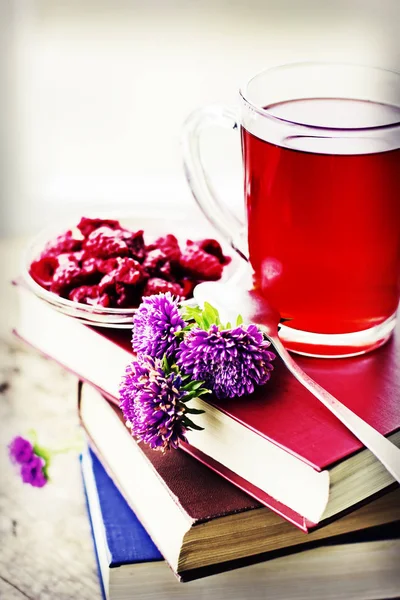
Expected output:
(94, 92)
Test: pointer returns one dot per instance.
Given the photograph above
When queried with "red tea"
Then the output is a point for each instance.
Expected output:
(324, 219)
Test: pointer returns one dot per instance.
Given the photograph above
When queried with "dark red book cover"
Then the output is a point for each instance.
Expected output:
(201, 493)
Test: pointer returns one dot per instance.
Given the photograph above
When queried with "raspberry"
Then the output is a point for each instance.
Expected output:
(70, 258)
(154, 260)
(89, 294)
(66, 276)
(157, 264)
(89, 267)
(65, 242)
(99, 265)
(75, 257)
(166, 272)
(155, 285)
(127, 295)
(162, 258)
(213, 247)
(86, 226)
(168, 244)
(121, 295)
(135, 243)
(105, 242)
(128, 271)
(196, 263)
(42, 270)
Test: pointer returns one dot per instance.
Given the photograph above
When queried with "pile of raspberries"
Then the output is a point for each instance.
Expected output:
(103, 264)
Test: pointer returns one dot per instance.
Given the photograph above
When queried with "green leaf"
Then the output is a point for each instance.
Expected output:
(188, 396)
(210, 311)
(183, 331)
(239, 320)
(179, 334)
(205, 322)
(46, 455)
(175, 369)
(42, 452)
(193, 385)
(45, 469)
(192, 313)
(194, 411)
(211, 314)
(203, 392)
(187, 387)
(204, 318)
(197, 384)
(202, 322)
(165, 365)
(190, 425)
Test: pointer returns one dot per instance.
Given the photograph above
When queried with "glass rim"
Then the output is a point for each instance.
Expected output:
(264, 112)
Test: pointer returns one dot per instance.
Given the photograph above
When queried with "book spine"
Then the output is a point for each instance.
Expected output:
(101, 581)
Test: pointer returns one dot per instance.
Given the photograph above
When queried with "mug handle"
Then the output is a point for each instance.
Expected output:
(223, 219)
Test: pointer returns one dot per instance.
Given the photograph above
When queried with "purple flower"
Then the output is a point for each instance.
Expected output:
(151, 401)
(32, 472)
(20, 450)
(231, 362)
(155, 324)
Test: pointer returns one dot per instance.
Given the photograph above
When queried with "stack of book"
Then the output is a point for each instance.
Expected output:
(275, 498)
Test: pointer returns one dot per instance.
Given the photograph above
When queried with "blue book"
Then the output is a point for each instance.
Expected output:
(131, 567)
(127, 541)
(119, 538)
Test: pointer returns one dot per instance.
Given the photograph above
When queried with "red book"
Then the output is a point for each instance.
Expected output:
(282, 446)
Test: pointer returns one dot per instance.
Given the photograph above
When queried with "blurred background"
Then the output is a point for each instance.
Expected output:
(94, 92)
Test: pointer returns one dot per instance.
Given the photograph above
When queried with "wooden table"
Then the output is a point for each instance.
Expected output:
(46, 548)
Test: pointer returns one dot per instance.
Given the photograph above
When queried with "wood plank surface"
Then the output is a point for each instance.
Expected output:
(46, 548)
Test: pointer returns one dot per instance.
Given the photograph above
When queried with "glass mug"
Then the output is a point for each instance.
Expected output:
(320, 146)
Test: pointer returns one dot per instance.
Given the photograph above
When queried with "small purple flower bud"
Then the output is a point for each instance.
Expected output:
(20, 450)
(32, 472)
